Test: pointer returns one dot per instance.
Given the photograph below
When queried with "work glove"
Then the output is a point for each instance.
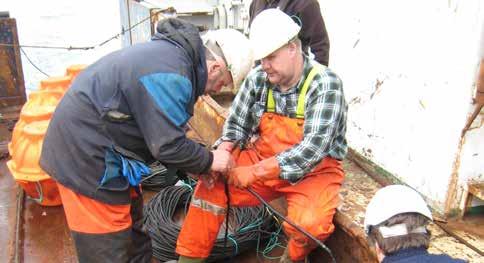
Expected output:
(244, 176)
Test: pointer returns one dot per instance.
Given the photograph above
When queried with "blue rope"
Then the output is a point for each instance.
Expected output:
(187, 185)
(257, 223)
(273, 243)
(235, 243)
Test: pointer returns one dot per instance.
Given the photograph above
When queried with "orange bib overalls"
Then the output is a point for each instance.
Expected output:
(311, 202)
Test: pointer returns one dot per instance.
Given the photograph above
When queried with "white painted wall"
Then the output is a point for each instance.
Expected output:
(408, 69)
(472, 158)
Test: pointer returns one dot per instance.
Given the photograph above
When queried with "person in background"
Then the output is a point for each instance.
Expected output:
(128, 109)
(396, 222)
(286, 130)
(313, 33)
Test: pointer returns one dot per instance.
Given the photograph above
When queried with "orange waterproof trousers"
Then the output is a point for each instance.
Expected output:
(311, 202)
(104, 232)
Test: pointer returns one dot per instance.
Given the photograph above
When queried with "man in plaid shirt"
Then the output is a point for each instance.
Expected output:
(286, 131)
(324, 113)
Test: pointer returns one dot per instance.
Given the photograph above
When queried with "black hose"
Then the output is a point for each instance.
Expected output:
(317, 241)
(227, 216)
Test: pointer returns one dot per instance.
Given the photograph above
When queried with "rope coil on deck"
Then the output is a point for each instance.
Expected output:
(248, 225)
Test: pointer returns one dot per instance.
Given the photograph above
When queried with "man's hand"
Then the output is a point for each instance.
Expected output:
(222, 161)
(226, 146)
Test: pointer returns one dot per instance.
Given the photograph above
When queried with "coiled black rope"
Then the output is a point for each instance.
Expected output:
(247, 225)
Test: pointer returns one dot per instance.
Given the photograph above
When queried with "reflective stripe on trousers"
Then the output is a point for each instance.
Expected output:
(207, 206)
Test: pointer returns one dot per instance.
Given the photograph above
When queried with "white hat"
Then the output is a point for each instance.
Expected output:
(270, 30)
(393, 200)
(236, 50)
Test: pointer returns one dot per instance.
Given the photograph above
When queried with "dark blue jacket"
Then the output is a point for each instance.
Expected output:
(137, 99)
(418, 255)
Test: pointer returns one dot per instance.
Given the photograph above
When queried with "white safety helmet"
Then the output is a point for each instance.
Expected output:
(236, 50)
(270, 30)
(393, 200)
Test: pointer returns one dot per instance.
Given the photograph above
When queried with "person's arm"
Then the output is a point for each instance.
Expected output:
(239, 123)
(256, 6)
(314, 30)
(325, 109)
(158, 105)
(251, 11)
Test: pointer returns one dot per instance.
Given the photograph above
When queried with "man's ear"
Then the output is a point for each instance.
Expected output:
(292, 47)
(213, 66)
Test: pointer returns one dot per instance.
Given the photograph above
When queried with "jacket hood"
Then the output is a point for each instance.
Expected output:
(187, 36)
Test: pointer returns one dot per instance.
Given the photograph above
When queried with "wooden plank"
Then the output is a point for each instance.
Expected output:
(477, 190)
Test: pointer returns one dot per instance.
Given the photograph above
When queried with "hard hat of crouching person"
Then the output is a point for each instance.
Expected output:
(271, 29)
(395, 222)
(393, 200)
(235, 50)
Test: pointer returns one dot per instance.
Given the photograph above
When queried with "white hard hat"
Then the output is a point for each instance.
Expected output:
(236, 50)
(393, 200)
(270, 30)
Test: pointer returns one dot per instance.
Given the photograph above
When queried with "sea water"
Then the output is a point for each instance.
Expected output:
(76, 23)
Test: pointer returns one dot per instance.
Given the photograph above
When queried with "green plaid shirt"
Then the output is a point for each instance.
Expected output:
(324, 124)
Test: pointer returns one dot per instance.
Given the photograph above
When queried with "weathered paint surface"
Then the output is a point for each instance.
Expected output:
(12, 89)
(471, 169)
(408, 69)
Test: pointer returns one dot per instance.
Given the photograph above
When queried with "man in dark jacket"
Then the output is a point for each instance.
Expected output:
(313, 33)
(396, 222)
(125, 110)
